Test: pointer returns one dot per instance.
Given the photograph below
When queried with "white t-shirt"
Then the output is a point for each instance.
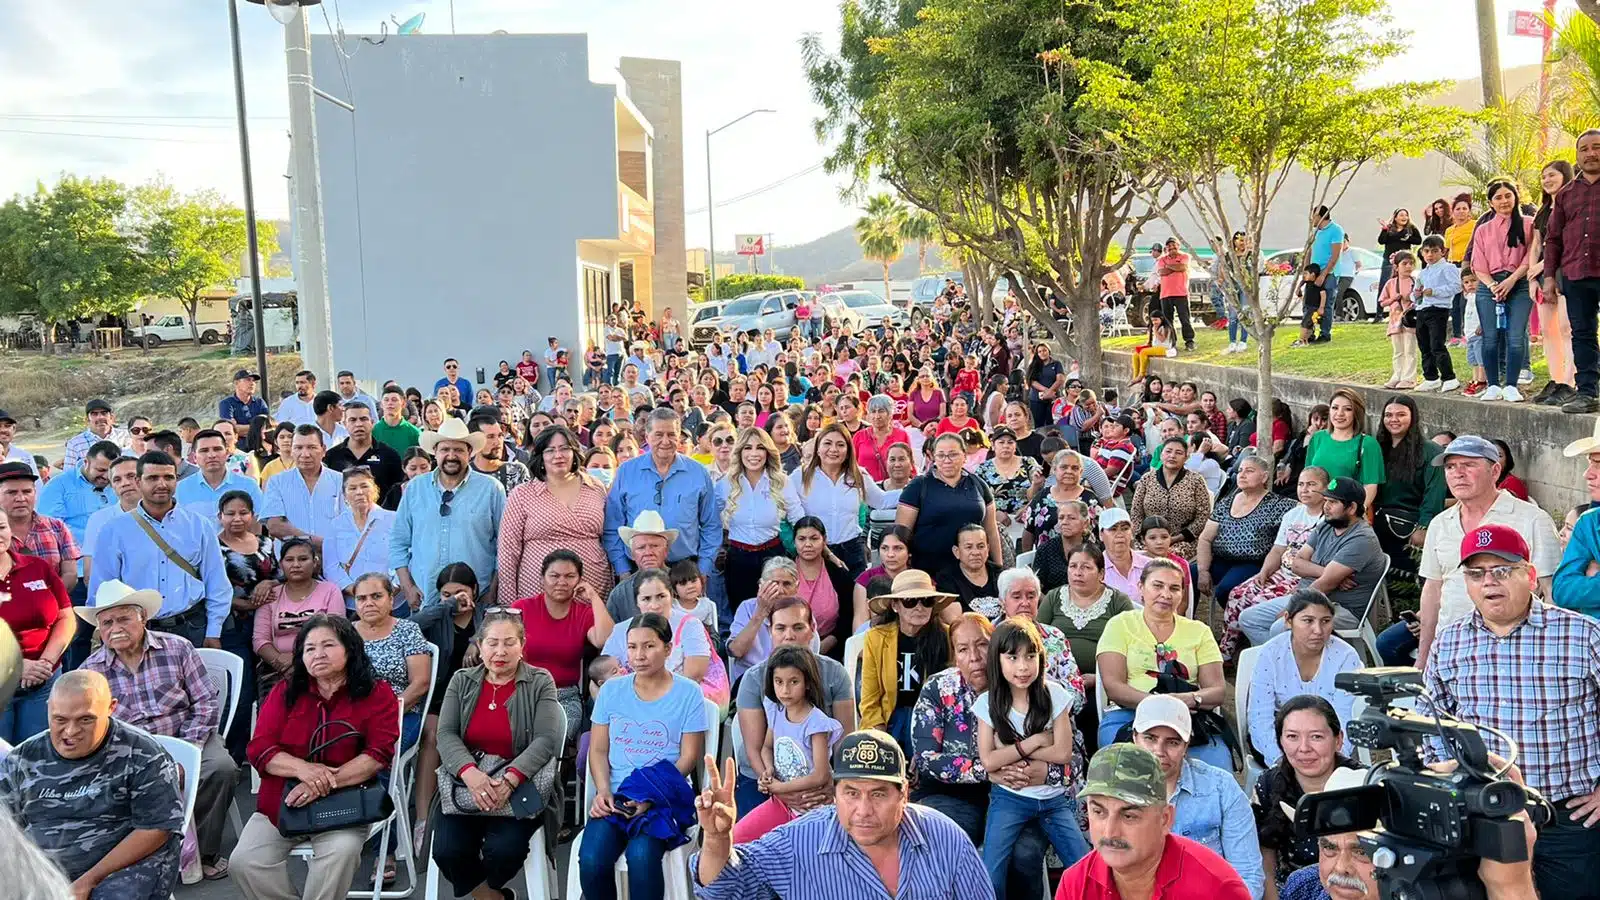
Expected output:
(705, 611)
(688, 639)
(1293, 530)
(1060, 703)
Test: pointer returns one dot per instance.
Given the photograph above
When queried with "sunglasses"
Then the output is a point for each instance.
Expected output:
(444, 504)
(721, 441)
(914, 602)
(138, 431)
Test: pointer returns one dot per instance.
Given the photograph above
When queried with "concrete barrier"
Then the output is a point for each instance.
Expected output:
(1536, 434)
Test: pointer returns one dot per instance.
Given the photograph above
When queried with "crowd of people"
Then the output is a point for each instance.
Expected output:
(933, 584)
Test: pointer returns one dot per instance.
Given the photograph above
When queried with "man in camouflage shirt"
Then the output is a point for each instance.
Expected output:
(100, 797)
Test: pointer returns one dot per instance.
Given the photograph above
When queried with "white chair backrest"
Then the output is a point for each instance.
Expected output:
(187, 756)
(1377, 588)
(1241, 695)
(713, 740)
(433, 679)
(1025, 560)
(1099, 690)
(225, 672)
(852, 655)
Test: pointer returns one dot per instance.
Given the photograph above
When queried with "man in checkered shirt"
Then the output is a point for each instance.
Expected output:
(1531, 670)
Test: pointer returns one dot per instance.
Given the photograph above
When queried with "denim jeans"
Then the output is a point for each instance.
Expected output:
(1458, 315)
(1236, 328)
(1583, 304)
(1396, 644)
(1566, 858)
(1027, 850)
(603, 844)
(1227, 574)
(613, 367)
(27, 715)
(1216, 303)
(1009, 812)
(1518, 305)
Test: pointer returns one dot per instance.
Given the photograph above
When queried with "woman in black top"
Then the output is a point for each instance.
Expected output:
(1399, 233)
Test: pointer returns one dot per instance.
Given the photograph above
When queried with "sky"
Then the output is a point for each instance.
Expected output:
(135, 91)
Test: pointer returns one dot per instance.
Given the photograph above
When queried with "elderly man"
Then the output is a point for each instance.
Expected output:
(672, 484)
(1471, 472)
(296, 408)
(1532, 671)
(202, 492)
(1341, 558)
(450, 515)
(75, 494)
(40, 535)
(648, 542)
(361, 448)
(1577, 581)
(870, 842)
(102, 427)
(789, 624)
(159, 684)
(306, 500)
(242, 406)
(100, 797)
(1208, 807)
(170, 550)
(1134, 855)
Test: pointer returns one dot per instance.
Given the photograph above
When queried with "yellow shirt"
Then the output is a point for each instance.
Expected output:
(272, 468)
(1127, 634)
(1457, 238)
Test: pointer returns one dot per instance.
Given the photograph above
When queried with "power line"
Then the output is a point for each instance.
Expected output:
(760, 190)
(115, 123)
(120, 116)
(114, 137)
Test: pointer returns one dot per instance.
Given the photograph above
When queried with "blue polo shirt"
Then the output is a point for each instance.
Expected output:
(1328, 236)
(72, 499)
(195, 494)
(239, 412)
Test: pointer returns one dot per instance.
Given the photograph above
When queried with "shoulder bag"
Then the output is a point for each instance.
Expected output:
(347, 807)
(166, 549)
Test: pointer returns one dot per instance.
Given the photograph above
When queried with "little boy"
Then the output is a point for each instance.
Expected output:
(1474, 331)
(1435, 289)
(1313, 306)
(601, 669)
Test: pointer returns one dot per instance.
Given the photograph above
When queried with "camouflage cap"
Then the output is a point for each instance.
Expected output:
(1128, 773)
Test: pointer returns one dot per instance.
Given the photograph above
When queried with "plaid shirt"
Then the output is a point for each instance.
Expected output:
(51, 540)
(169, 695)
(1540, 685)
(1572, 236)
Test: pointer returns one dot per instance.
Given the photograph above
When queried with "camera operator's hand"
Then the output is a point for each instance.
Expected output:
(1505, 881)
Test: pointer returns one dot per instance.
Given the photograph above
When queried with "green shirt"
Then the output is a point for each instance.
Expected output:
(398, 438)
(1418, 495)
(1360, 457)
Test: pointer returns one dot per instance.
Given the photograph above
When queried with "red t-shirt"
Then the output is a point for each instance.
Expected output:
(37, 600)
(555, 645)
(1188, 870)
(489, 730)
(529, 371)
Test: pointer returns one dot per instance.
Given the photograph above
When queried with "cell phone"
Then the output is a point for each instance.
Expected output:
(1408, 615)
(627, 807)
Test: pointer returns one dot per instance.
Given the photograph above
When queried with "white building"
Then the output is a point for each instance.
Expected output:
(484, 195)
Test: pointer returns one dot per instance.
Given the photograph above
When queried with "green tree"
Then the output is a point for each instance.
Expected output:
(922, 227)
(67, 253)
(881, 232)
(1243, 93)
(1576, 55)
(1508, 148)
(190, 243)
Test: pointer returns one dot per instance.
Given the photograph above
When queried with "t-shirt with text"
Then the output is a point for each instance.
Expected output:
(644, 732)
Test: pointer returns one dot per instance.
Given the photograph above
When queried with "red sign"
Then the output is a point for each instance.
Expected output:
(1525, 23)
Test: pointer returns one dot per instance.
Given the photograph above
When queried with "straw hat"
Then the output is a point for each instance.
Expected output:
(647, 522)
(451, 429)
(1585, 446)
(911, 583)
(113, 593)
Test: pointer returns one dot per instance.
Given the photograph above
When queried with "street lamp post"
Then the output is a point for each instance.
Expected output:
(711, 222)
(249, 204)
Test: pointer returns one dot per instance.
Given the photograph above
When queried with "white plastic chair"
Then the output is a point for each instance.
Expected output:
(852, 656)
(403, 776)
(1241, 712)
(187, 756)
(381, 831)
(225, 671)
(1025, 560)
(1100, 702)
(1363, 636)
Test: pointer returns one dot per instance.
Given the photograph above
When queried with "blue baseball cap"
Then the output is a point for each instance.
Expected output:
(1469, 445)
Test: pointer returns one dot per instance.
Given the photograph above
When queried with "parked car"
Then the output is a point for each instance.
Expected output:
(167, 329)
(1280, 288)
(927, 289)
(836, 310)
(758, 311)
(871, 309)
(1143, 265)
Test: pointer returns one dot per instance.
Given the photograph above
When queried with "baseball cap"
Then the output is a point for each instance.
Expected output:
(1346, 490)
(7, 417)
(1126, 421)
(1127, 773)
(13, 470)
(1002, 432)
(1113, 516)
(1496, 540)
(1163, 709)
(1469, 445)
(96, 405)
(873, 755)
(246, 373)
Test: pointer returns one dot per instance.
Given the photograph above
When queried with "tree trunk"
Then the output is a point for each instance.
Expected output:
(1086, 331)
(886, 297)
(193, 306)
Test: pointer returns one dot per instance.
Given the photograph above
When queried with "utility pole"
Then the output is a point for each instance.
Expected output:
(311, 271)
(257, 314)
(1489, 55)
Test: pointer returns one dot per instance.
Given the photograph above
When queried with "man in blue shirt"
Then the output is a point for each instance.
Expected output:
(672, 484)
(451, 377)
(196, 595)
(202, 492)
(1326, 250)
(1210, 807)
(305, 500)
(242, 406)
(1577, 582)
(74, 495)
(447, 516)
(872, 842)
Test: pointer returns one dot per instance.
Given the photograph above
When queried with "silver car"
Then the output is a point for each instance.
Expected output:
(871, 309)
(758, 311)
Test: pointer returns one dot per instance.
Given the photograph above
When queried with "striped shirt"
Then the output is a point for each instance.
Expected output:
(1540, 685)
(812, 858)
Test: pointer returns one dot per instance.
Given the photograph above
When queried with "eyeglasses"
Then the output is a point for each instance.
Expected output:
(721, 441)
(444, 504)
(1497, 574)
(914, 602)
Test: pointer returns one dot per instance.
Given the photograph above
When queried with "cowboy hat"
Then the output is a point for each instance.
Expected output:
(1585, 446)
(908, 585)
(647, 522)
(1338, 780)
(113, 593)
(451, 429)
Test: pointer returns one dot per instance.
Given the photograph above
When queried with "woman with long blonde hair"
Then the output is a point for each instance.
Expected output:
(756, 499)
(833, 488)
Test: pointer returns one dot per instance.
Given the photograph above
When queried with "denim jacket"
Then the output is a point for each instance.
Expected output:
(1212, 810)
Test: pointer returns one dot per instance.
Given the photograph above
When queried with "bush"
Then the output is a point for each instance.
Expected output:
(730, 286)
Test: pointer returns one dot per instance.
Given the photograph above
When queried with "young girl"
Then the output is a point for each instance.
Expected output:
(1158, 343)
(1397, 300)
(1024, 717)
(1155, 538)
(799, 742)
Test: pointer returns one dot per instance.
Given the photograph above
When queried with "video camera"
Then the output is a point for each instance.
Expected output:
(1435, 826)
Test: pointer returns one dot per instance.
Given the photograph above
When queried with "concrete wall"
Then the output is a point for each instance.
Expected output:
(656, 87)
(456, 194)
(1536, 434)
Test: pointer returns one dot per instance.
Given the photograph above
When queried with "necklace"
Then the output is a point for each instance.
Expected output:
(494, 694)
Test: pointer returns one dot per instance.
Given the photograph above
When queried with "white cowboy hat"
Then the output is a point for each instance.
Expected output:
(451, 429)
(114, 593)
(647, 522)
(1338, 780)
(1585, 446)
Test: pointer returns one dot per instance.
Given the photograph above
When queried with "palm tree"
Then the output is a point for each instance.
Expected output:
(879, 232)
(1508, 148)
(1576, 54)
(922, 227)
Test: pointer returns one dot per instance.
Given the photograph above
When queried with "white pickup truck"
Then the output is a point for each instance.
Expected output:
(175, 328)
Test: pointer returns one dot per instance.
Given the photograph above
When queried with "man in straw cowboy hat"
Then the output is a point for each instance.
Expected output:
(1577, 579)
(648, 541)
(448, 516)
(872, 841)
(159, 683)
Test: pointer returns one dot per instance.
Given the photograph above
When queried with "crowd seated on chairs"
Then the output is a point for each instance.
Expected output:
(1302, 661)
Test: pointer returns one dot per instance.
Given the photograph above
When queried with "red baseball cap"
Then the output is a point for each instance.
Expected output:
(1497, 540)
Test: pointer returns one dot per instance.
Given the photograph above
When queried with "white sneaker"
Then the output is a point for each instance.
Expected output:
(1450, 385)
(1429, 385)
(1511, 395)
(1228, 349)
(1526, 377)
(1492, 392)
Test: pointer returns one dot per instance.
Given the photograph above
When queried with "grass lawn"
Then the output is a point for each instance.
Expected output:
(1358, 354)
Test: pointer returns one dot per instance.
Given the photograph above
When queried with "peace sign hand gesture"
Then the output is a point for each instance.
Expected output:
(715, 805)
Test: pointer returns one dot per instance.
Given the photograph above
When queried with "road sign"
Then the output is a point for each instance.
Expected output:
(1525, 23)
(750, 244)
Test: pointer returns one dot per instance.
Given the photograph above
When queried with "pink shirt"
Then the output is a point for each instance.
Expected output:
(278, 620)
(823, 600)
(1174, 284)
(1489, 251)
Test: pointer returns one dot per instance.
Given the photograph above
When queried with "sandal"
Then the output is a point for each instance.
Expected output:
(391, 872)
(215, 871)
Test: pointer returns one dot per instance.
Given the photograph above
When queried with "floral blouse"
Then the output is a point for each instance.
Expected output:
(1041, 515)
(1010, 494)
(245, 572)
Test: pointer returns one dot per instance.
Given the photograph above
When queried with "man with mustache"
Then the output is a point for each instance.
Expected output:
(1135, 856)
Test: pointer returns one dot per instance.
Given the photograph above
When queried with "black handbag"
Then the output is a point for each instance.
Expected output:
(347, 807)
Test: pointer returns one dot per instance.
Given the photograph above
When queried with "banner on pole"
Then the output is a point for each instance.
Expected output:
(1525, 23)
